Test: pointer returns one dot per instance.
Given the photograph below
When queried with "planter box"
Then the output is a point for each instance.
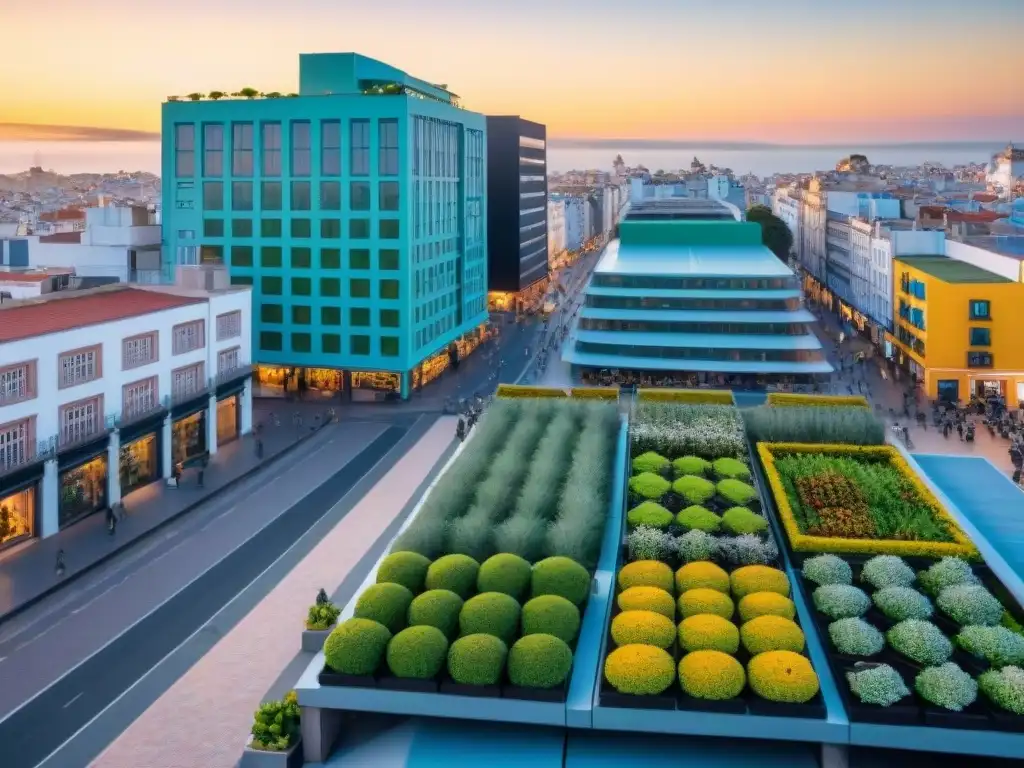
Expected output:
(313, 639)
(258, 758)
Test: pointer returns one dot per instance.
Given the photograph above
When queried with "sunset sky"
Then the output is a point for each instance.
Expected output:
(789, 71)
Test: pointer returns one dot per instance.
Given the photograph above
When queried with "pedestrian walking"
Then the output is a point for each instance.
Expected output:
(199, 476)
(176, 474)
(59, 568)
(960, 430)
(259, 448)
(111, 521)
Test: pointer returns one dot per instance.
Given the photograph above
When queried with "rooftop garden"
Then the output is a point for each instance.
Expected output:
(250, 94)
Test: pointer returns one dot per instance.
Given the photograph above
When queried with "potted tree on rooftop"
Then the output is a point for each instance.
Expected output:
(275, 740)
(320, 620)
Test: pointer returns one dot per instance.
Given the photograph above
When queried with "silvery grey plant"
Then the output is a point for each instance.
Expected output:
(695, 546)
(646, 543)
(747, 549)
(674, 430)
(814, 424)
(877, 684)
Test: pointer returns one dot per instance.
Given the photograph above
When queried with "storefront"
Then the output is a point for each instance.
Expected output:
(228, 424)
(81, 487)
(18, 513)
(188, 437)
(139, 462)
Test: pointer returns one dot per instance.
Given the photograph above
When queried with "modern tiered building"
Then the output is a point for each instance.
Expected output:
(689, 292)
(356, 209)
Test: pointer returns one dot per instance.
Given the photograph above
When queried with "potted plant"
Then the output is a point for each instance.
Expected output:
(320, 620)
(275, 740)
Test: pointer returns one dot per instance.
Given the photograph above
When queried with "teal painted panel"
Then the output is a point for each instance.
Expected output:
(452, 744)
(618, 750)
(690, 233)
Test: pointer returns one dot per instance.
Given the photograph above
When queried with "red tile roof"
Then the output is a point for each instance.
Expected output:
(23, 320)
(62, 237)
(66, 214)
(23, 277)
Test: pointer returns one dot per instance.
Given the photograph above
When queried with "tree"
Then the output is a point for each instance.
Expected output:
(194, 96)
(216, 95)
(247, 93)
(775, 233)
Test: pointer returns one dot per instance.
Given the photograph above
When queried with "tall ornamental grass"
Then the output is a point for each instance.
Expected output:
(814, 424)
(455, 489)
(583, 507)
(473, 533)
(674, 430)
(523, 532)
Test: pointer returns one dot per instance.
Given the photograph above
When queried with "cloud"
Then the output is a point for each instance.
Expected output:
(32, 132)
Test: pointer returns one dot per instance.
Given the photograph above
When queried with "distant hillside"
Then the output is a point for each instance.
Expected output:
(37, 180)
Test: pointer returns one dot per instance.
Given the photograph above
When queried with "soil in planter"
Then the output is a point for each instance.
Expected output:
(734, 706)
(812, 710)
(974, 717)
(407, 684)
(553, 695)
(328, 676)
(612, 698)
(1006, 721)
(453, 688)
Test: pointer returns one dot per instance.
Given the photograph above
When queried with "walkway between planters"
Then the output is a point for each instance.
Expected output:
(202, 721)
(28, 573)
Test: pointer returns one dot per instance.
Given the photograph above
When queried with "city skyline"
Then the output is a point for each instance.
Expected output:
(589, 71)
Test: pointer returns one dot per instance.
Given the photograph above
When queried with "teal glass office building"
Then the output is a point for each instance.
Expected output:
(356, 209)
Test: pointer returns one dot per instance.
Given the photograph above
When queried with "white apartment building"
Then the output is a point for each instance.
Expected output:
(103, 391)
(577, 222)
(787, 205)
(556, 230)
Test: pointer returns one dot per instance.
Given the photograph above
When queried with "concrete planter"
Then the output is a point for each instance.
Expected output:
(258, 758)
(313, 639)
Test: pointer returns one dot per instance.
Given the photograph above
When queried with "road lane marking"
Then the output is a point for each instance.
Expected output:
(74, 700)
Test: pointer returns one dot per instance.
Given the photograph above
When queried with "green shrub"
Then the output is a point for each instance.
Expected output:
(385, 603)
(827, 569)
(492, 613)
(877, 684)
(814, 424)
(711, 675)
(561, 576)
(696, 545)
(322, 615)
(417, 652)
(728, 467)
(646, 573)
(551, 615)
(900, 603)
(691, 465)
(708, 632)
(651, 514)
(1004, 688)
(406, 568)
(698, 518)
(275, 725)
(644, 627)
(970, 604)
(947, 686)
(693, 489)
(883, 571)
(948, 572)
(642, 670)
(649, 485)
(437, 608)
(477, 660)
(740, 520)
(997, 645)
(772, 633)
(456, 573)
(841, 601)
(356, 646)
(855, 637)
(650, 462)
(539, 661)
(736, 491)
(504, 573)
(921, 641)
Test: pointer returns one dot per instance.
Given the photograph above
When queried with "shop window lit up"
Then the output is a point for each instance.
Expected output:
(82, 490)
(139, 463)
(17, 516)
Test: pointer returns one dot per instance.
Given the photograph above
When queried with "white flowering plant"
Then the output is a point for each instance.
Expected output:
(968, 604)
(673, 430)
(827, 569)
(920, 641)
(855, 637)
(947, 686)
(841, 601)
(999, 646)
(877, 684)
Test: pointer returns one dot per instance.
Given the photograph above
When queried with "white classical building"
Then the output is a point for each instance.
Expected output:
(103, 391)
(556, 230)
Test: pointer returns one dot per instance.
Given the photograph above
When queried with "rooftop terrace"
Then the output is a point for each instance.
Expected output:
(952, 271)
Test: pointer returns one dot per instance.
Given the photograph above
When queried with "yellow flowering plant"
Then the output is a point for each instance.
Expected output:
(791, 399)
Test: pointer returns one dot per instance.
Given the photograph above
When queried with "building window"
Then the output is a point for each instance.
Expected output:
(359, 317)
(389, 346)
(211, 254)
(302, 228)
(81, 420)
(79, 366)
(300, 148)
(139, 350)
(330, 343)
(360, 345)
(388, 259)
(271, 149)
(301, 314)
(359, 258)
(16, 443)
(213, 150)
(241, 195)
(526, 141)
(270, 285)
(330, 148)
(330, 286)
(981, 337)
(213, 195)
(139, 398)
(270, 341)
(241, 255)
(359, 229)
(359, 288)
(241, 227)
(241, 149)
(330, 195)
(389, 289)
(270, 194)
(330, 258)
(229, 325)
(979, 360)
(185, 150)
(17, 383)
(359, 196)
(302, 342)
(301, 196)
(387, 135)
(388, 229)
(229, 360)
(270, 256)
(302, 258)
(302, 286)
(270, 227)
(330, 228)
(271, 313)
(359, 146)
(187, 381)
(388, 195)
(188, 336)
(980, 309)
(389, 318)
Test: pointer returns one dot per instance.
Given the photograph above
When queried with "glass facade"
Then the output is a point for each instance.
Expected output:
(82, 490)
(729, 305)
(139, 462)
(227, 419)
(766, 329)
(18, 516)
(188, 437)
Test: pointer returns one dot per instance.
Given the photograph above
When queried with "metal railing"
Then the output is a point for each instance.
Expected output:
(231, 374)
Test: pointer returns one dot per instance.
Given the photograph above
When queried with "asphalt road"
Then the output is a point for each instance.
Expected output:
(42, 725)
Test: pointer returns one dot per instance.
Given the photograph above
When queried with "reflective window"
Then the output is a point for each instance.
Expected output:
(213, 150)
(359, 144)
(301, 165)
(387, 132)
(184, 150)
(526, 141)
(241, 149)
(330, 148)
(271, 149)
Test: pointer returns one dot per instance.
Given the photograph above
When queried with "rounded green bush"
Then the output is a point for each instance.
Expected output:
(356, 646)
(453, 572)
(651, 514)
(436, 608)
(921, 641)
(729, 467)
(477, 660)
(693, 489)
(740, 520)
(650, 462)
(406, 568)
(649, 485)
(708, 632)
(698, 518)
(643, 670)
(551, 615)
(736, 491)
(504, 573)
(385, 603)
(691, 465)
(827, 569)
(643, 627)
(491, 613)
(561, 576)
(968, 604)
(417, 652)
(539, 661)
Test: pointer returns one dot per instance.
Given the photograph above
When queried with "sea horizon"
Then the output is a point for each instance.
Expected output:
(760, 158)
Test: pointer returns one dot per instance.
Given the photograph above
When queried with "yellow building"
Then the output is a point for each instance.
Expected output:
(959, 328)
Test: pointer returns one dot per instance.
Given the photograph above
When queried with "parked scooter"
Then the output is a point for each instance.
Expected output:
(969, 434)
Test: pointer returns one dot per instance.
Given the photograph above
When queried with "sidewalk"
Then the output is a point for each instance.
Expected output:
(28, 573)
